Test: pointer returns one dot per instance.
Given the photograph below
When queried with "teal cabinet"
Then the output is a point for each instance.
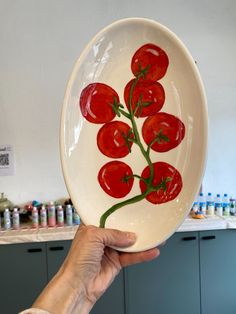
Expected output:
(56, 254)
(27, 268)
(114, 296)
(23, 275)
(170, 284)
(113, 301)
(218, 271)
(195, 273)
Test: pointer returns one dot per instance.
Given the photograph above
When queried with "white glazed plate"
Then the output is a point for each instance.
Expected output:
(107, 60)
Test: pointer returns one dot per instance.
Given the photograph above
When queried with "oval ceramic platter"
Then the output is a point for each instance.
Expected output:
(134, 131)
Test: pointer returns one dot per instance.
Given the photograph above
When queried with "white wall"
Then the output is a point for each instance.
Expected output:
(39, 43)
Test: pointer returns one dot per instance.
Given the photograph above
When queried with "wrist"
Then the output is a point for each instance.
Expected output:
(60, 296)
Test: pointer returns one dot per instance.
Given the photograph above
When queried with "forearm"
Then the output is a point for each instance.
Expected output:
(59, 297)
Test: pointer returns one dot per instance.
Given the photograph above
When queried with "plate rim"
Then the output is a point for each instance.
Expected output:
(202, 92)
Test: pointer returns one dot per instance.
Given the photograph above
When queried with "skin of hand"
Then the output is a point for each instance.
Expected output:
(89, 268)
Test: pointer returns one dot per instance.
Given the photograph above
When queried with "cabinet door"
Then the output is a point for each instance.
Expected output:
(169, 284)
(113, 299)
(218, 271)
(23, 275)
(56, 254)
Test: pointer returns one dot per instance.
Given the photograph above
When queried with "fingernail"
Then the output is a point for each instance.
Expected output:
(131, 236)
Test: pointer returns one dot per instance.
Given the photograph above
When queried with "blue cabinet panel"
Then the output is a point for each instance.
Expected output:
(218, 271)
(56, 254)
(23, 275)
(169, 284)
(113, 301)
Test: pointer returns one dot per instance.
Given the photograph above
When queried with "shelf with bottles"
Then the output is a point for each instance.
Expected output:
(39, 215)
(210, 205)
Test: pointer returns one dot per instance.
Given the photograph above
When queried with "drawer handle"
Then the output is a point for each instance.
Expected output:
(211, 237)
(36, 250)
(56, 248)
(189, 238)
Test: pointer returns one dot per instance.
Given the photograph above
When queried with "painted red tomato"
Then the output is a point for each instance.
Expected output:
(152, 60)
(96, 102)
(113, 139)
(164, 130)
(147, 98)
(114, 178)
(167, 178)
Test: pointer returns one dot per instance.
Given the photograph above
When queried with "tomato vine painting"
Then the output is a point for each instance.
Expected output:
(144, 98)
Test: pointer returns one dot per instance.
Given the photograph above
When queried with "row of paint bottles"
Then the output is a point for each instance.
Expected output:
(35, 217)
(15, 219)
(210, 206)
(42, 214)
(222, 206)
(56, 216)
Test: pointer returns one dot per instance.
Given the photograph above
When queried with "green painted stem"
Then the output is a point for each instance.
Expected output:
(135, 130)
(112, 209)
(144, 152)
(132, 200)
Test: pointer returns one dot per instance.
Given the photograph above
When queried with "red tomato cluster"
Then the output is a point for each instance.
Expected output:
(144, 97)
(97, 104)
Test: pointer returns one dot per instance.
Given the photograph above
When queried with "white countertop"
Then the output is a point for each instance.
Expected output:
(208, 223)
(28, 234)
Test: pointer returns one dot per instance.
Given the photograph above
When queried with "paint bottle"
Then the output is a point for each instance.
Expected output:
(69, 215)
(7, 219)
(51, 215)
(195, 206)
(16, 219)
(226, 208)
(210, 205)
(202, 203)
(76, 217)
(232, 206)
(60, 216)
(35, 218)
(218, 205)
(43, 217)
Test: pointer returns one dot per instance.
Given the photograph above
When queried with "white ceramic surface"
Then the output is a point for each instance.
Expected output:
(106, 59)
